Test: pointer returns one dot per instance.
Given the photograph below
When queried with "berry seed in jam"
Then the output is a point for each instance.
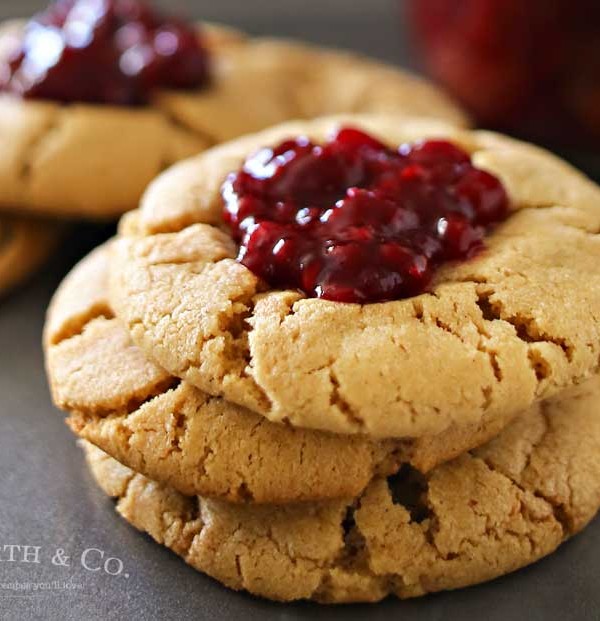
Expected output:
(355, 221)
(103, 52)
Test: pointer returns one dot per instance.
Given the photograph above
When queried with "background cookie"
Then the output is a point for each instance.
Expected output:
(516, 324)
(94, 161)
(299, 81)
(487, 513)
(135, 411)
(24, 246)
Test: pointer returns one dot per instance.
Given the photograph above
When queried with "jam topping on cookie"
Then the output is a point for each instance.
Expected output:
(355, 221)
(104, 52)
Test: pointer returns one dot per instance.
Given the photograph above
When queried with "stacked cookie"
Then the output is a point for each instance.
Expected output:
(344, 358)
(25, 245)
(88, 120)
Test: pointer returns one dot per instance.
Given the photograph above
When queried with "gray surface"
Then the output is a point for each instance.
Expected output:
(366, 25)
(47, 499)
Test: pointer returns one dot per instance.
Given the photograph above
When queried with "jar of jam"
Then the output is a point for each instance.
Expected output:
(528, 67)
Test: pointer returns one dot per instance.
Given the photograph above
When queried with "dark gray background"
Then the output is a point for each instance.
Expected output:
(366, 25)
(47, 499)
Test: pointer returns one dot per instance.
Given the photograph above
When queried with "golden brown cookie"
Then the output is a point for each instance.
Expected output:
(24, 246)
(175, 433)
(516, 324)
(485, 514)
(94, 161)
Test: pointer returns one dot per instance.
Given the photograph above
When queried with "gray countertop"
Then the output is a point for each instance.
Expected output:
(49, 503)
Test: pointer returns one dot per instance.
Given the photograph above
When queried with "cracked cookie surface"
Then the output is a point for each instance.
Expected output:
(175, 433)
(516, 324)
(95, 161)
(24, 246)
(482, 515)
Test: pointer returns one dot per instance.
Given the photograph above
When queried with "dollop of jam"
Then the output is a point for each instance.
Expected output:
(352, 220)
(104, 52)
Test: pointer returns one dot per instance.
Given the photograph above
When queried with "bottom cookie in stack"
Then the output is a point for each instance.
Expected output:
(488, 512)
(24, 245)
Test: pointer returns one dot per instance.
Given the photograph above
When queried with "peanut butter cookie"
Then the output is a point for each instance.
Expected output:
(485, 514)
(97, 101)
(228, 276)
(24, 246)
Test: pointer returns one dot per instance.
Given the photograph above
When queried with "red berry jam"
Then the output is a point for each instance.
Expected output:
(103, 52)
(355, 221)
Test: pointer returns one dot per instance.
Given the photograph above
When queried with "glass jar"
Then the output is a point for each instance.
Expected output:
(529, 67)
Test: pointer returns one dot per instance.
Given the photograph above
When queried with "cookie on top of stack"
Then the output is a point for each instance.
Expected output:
(345, 358)
(97, 98)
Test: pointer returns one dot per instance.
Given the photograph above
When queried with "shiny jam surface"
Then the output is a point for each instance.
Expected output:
(352, 220)
(105, 52)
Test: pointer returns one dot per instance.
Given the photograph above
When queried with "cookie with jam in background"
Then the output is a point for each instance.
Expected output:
(367, 275)
(119, 400)
(24, 247)
(485, 514)
(161, 90)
